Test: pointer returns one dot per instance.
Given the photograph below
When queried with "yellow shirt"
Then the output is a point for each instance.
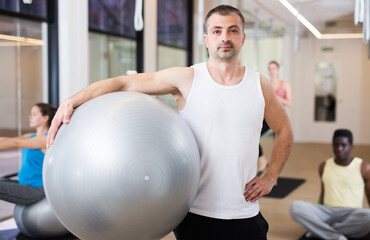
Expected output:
(343, 185)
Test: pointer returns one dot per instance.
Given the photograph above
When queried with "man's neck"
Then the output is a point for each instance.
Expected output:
(343, 162)
(225, 73)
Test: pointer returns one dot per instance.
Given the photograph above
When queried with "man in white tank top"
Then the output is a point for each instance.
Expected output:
(224, 104)
(344, 181)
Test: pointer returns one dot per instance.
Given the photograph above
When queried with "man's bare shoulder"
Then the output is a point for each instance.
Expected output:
(176, 76)
(267, 89)
(321, 167)
(179, 72)
(365, 170)
(187, 72)
(264, 81)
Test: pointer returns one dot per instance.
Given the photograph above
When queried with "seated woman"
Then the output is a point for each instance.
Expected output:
(29, 187)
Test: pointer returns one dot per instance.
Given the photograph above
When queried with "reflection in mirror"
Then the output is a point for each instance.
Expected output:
(325, 91)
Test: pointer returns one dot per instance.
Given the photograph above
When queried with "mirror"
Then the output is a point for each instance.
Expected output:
(325, 91)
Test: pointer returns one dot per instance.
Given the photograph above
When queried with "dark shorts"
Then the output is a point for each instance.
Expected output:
(195, 227)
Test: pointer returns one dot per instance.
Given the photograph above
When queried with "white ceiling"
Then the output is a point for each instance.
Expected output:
(318, 12)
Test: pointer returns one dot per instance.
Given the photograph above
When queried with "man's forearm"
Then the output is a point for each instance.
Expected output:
(280, 152)
(94, 90)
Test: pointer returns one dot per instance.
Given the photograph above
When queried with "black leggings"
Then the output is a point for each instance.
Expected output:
(195, 227)
(265, 127)
(12, 191)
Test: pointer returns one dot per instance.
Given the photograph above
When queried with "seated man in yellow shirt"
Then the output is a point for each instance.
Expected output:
(344, 181)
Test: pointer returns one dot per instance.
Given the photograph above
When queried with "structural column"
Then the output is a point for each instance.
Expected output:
(150, 35)
(73, 47)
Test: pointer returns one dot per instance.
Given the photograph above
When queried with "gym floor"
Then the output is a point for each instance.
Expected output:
(303, 163)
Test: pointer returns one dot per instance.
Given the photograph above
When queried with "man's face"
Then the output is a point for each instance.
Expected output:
(342, 148)
(224, 37)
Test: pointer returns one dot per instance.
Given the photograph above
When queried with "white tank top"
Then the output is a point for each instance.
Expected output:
(226, 122)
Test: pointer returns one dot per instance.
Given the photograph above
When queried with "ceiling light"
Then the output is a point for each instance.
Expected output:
(308, 25)
(14, 44)
(313, 30)
(290, 7)
(23, 40)
(342, 36)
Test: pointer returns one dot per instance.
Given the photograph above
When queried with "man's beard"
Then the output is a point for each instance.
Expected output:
(226, 54)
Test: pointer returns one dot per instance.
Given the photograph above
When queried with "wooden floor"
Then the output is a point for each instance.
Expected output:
(303, 163)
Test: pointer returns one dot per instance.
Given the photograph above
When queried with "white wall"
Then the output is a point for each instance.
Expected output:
(353, 99)
(150, 35)
(73, 47)
(365, 97)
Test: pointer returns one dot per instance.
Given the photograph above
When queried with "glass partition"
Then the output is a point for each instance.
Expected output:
(21, 67)
(112, 39)
(110, 56)
(173, 33)
(171, 57)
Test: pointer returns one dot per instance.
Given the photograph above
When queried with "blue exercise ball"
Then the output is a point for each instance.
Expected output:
(125, 167)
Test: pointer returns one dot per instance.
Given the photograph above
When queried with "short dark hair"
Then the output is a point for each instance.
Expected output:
(47, 109)
(224, 10)
(343, 133)
(274, 62)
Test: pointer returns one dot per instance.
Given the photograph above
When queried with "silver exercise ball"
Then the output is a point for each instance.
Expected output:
(125, 167)
(38, 220)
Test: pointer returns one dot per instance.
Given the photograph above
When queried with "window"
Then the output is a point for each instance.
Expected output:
(173, 26)
(174, 37)
(112, 16)
(113, 40)
(37, 9)
(174, 32)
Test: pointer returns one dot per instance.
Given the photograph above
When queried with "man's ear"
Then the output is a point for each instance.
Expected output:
(206, 40)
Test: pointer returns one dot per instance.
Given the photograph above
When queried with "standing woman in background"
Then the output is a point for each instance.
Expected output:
(284, 94)
(282, 88)
(29, 187)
